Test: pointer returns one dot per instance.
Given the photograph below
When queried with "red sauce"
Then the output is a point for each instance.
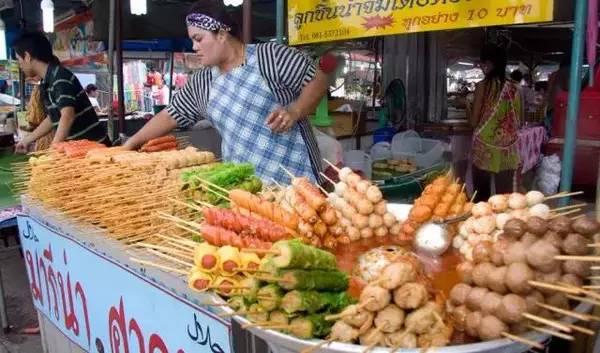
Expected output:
(442, 270)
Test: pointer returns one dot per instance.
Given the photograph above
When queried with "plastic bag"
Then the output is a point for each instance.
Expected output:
(547, 177)
(331, 149)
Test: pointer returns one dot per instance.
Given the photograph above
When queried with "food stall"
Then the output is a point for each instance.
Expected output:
(203, 242)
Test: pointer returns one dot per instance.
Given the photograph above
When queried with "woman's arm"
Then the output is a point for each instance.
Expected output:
(477, 105)
(307, 102)
(160, 125)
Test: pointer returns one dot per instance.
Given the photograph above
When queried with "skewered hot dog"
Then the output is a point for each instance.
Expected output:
(266, 209)
(310, 193)
(262, 228)
(218, 236)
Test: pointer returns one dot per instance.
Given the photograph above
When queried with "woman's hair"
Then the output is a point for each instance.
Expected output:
(217, 10)
(90, 88)
(37, 45)
(497, 56)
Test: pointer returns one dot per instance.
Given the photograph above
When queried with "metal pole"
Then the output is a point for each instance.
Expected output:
(171, 80)
(111, 69)
(280, 18)
(119, 54)
(247, 21)
(21, 74)
(566, 177)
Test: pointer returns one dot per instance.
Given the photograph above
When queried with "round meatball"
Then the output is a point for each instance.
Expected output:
(498, 250)
(518, 276)
(517, 201)
(375, 297)
(411, 295)
(540, 210)
(558, 300)
(496, 280)
(550, 277)
(401, 339)
(537, 226)
(516, 252)
(465, 272)
(532, 299)
(585, 226)
(491, 303)
(541, 255)
(472, 323)
(499, 203)
(561, 225)
(491, 328)
(396, 274)
(390, 319)
(515, 228)
(511, 308)
(501, 219)
(459, 293)
(475, 298)
(481, 273)
(579, 268)
(529, 238)
(459, 317)
(534, 197)
(482, 251)
(571, 279)
(553, 238)
(481, 209)
(485, 224)
(575, 244)
(372, 337)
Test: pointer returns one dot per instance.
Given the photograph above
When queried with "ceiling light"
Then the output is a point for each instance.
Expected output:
(138, 7)
(48, 15)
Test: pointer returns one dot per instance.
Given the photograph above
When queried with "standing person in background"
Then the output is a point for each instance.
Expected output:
(495, 120)
(69, 111)
(92, 92)
(517, 77)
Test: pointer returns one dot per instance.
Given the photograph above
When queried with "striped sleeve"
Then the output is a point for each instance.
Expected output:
(189, 104)
(293, 69)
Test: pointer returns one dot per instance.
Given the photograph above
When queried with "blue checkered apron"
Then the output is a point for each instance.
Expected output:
(238, 106)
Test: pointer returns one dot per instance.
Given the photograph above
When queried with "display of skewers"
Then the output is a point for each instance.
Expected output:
(524, 279)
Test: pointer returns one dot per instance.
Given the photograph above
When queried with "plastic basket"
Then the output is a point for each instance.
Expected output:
(424, 152)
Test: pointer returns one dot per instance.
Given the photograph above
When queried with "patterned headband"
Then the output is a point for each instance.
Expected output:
(205, 22)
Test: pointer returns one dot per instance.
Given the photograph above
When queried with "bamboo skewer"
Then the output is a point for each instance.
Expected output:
(568, 207)
(578, 258)
(164, 256)
(564, 289)
(570, 313)
(525, 341)
(162, 267)
(584, 299)
(261, 251)
(581, 330)
(556, 325)
(332, 165)
(562, 194)
(552, 332)
(566, 213)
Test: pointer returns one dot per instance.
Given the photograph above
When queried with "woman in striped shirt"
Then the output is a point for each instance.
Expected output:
(256, 96)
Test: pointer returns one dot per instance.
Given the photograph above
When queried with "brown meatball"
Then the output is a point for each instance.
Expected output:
(411, 295)
(585, 226)
(516, 252)
(537, 226)
(551, 277)
(372, 337)
(459, 317)
(511, 308)
(491, 328)
(518, 276)
(579, 268)
(498, 250)
(561, 225)
(475, 297)
(571, 279)
(529, 238)
(491, 303)
(519, 328)
(465, 272)
(459, 293)
(515, 228)
(390, 319)
(558, 300)
(376, 298)
(481, 273)
(496, 280)
(482, 251)
(553, 238)
(532, 299)
(472, 323)
(575, 244)
(541, 255)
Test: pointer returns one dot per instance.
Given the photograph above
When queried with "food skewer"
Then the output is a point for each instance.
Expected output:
(551, 332)
(525, 341)
(579, 316)
(566, 213)
(564, 208)
(547, 322)
(589, 258)
(562, 194)
(583, 299)
(171, 258)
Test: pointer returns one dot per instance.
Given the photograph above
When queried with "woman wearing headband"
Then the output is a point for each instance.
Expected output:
(256, 96)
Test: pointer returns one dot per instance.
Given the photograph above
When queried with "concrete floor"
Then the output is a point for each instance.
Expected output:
(21, 313)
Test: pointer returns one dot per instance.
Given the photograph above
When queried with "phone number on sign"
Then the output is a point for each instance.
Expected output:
(334, 33)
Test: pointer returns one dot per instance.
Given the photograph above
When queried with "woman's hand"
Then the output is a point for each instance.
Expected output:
(282, 120)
